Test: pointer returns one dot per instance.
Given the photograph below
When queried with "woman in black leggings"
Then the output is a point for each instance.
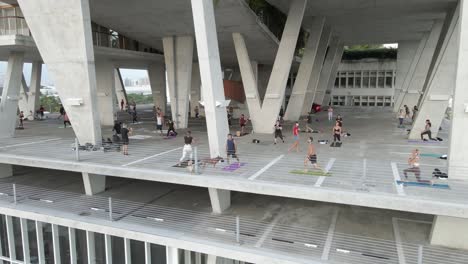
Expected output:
(337, 132)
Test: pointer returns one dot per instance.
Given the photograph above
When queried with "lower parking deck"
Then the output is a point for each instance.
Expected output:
(286, 229)
(364, 171)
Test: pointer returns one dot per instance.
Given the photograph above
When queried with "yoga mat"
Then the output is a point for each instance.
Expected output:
(311, 173)
(424, 184)
(423, 142)
(431, 155)
(170, 137)
(336, 145)
(234, 166)
(183, 164)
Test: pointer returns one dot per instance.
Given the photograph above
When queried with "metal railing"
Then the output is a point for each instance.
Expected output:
(294, 241)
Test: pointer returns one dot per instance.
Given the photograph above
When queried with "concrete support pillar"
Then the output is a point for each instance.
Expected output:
(172, 255)
(94, 183)
(10, 237)
(147, 253)
(441, 80)
(317, 69)
(56, 244)
(330, 66)
(25, 240)
(220, 199)
(304, 74)
(120, 92)
(105, 79)
(40, 243)
(10, 94)
(211, 75)
(263, 115)
(195, 91)
(91, 247)
(332, 77)
(72, 245)
(415, 86)
(178, 54)
(450, 232)
(211, 259)
(198, 258)
(187, 257)
(157, 77)
(406, 54)
(29, 96)
(66, 46)
(457, 157)
(127, 251)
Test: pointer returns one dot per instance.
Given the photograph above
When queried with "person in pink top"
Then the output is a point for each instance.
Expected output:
(330, 113)
(66, 120)
(295, 145)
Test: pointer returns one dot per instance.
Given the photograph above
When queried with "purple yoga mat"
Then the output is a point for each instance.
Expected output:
(234, 166)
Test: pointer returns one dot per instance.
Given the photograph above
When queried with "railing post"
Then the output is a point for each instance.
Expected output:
(237, 229)
(14, 193)
(195, 154)
(110, 210)
(420, 254)
(77, 150)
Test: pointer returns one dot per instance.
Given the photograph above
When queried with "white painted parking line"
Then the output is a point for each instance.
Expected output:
(267, 232)
(396, 176)
(399, 247)
(150, 157)
(31, 143)
(262, 170)
(321, 179)
(331, 233)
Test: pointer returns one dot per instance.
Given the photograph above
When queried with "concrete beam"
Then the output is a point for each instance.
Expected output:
(195, 91)
(264, 114)
(304, 74)
(441, 80)
(329, 70)
(29, 96)
(211, 75)
(458, 158)
(105, 79)
(94, 183)
(10, 94)
(406, 53)
(65, 44)
(120, 92)
(178, 54)
(157, 78)
(220, 200)
(450, 232)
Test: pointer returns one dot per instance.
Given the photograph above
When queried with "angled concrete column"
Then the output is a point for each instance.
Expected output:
(178, 54)
(172, 255)
(66, 46)
(72, 245)
(334, 54)
(91, 247)
(263, 115)
(25, 240)
(29, 97)
(450, 232)
(332, 77)
(105, 79)
(317, 69)
(94, 183)
(418, 78)
(458, 147)
(56, 244)
(441, 80)
(195, 91)
(120, 92)
(10, 94)
(406, 53)
(296, 101)
(157, 77)
(211, 76)
(220, 199)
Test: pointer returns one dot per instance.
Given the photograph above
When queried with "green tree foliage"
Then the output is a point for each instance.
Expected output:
(50, 103)
(140, 98)
(380, 53)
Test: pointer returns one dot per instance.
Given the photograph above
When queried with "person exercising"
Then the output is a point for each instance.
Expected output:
(278, 131)
(295, 145)
(311, 156)
(337, 132)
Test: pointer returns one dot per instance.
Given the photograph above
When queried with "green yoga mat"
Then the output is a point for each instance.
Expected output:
(312, 173)
(431, 155)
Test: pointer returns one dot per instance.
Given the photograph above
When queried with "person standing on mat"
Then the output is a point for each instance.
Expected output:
(407, 111)
(21, 119)
(242, 123)
(66, 120)
(311, 156)
(339, 119)
(330, 113)
(159, 123)
(427, 131)
(170, 128)
(231, 149)
(188, 140)
(401, 117)
(295, 145)
(413, 162)
(278, 131)
(125, 139)
(337, 132)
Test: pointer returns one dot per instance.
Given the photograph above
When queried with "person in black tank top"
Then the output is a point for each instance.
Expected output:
(125, 139)
(337, 132)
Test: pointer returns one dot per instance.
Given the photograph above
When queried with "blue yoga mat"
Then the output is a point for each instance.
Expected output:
(424, 184)
(431, 155)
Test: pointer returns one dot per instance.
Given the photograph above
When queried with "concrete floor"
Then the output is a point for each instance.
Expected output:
(362, 165)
